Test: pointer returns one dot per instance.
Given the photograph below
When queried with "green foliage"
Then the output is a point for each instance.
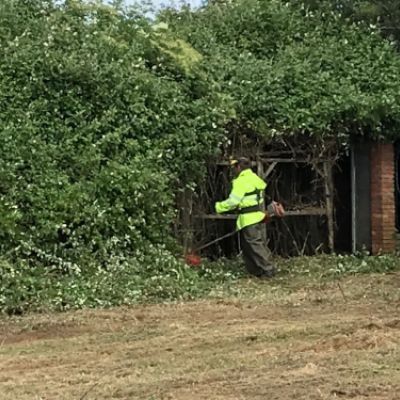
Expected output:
(100, 126)
(159, 277)
(290, 70)
(329, 266)
(154, 277)
(106, 117)
(383, 13)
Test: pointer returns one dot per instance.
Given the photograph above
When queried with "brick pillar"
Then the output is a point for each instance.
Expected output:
(382, 198)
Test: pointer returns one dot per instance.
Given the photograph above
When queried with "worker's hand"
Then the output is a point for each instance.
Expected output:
(279, 210)
(275, 209)
(218, 208)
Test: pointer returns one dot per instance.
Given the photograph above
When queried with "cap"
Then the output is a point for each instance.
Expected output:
(240, 160)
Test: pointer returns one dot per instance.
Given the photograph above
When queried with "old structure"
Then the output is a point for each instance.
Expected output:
(336, 201)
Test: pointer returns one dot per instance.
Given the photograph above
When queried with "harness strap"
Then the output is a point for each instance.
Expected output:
(254, 208)
(257, 192)
(250, 209)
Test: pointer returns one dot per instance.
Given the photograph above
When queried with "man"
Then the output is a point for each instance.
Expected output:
(247, 197)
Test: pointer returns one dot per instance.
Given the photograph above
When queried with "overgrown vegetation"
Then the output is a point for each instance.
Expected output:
(384, 14)
(100, 127)
(106, 116)
(291, 69)
(24, 288)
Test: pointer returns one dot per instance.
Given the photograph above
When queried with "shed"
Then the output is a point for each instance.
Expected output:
(337, 199)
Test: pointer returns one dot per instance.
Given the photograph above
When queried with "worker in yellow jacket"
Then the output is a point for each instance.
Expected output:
(247, 198)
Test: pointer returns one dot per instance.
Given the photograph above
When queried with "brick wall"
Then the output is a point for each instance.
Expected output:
(382, 198)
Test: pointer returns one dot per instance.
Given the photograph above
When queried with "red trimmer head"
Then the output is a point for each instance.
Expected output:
(193, 260)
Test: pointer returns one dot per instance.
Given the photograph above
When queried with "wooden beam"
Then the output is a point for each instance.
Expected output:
(290, 213)
(228, 164)
(278, 160)
(305, 212)
(270, 169)
(285, 160)
(260, 173)
(186, 206)
(329, 204)
(217, 216)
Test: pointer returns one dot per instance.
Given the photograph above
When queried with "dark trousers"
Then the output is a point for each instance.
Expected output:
(256, 253)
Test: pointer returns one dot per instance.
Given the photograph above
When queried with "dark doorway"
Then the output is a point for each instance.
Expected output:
(342, 203)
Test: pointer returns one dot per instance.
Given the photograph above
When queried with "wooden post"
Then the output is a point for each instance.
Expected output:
(328, 180)
(260, 173)
(269, 170)
(186, 205)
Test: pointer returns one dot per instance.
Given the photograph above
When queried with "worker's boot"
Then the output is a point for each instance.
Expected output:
(270, 273)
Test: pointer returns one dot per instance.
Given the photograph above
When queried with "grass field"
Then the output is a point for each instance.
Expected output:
(285, 339)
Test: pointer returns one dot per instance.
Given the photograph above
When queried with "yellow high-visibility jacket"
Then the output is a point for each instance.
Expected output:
(247, 191)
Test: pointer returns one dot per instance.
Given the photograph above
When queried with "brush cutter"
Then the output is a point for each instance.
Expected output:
(274, 209)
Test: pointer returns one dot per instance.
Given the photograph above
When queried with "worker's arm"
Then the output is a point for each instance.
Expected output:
(231, 203)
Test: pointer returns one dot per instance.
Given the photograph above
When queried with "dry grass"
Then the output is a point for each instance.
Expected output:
(276, 341)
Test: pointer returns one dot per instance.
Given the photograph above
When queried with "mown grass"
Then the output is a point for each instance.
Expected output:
(263, 342)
